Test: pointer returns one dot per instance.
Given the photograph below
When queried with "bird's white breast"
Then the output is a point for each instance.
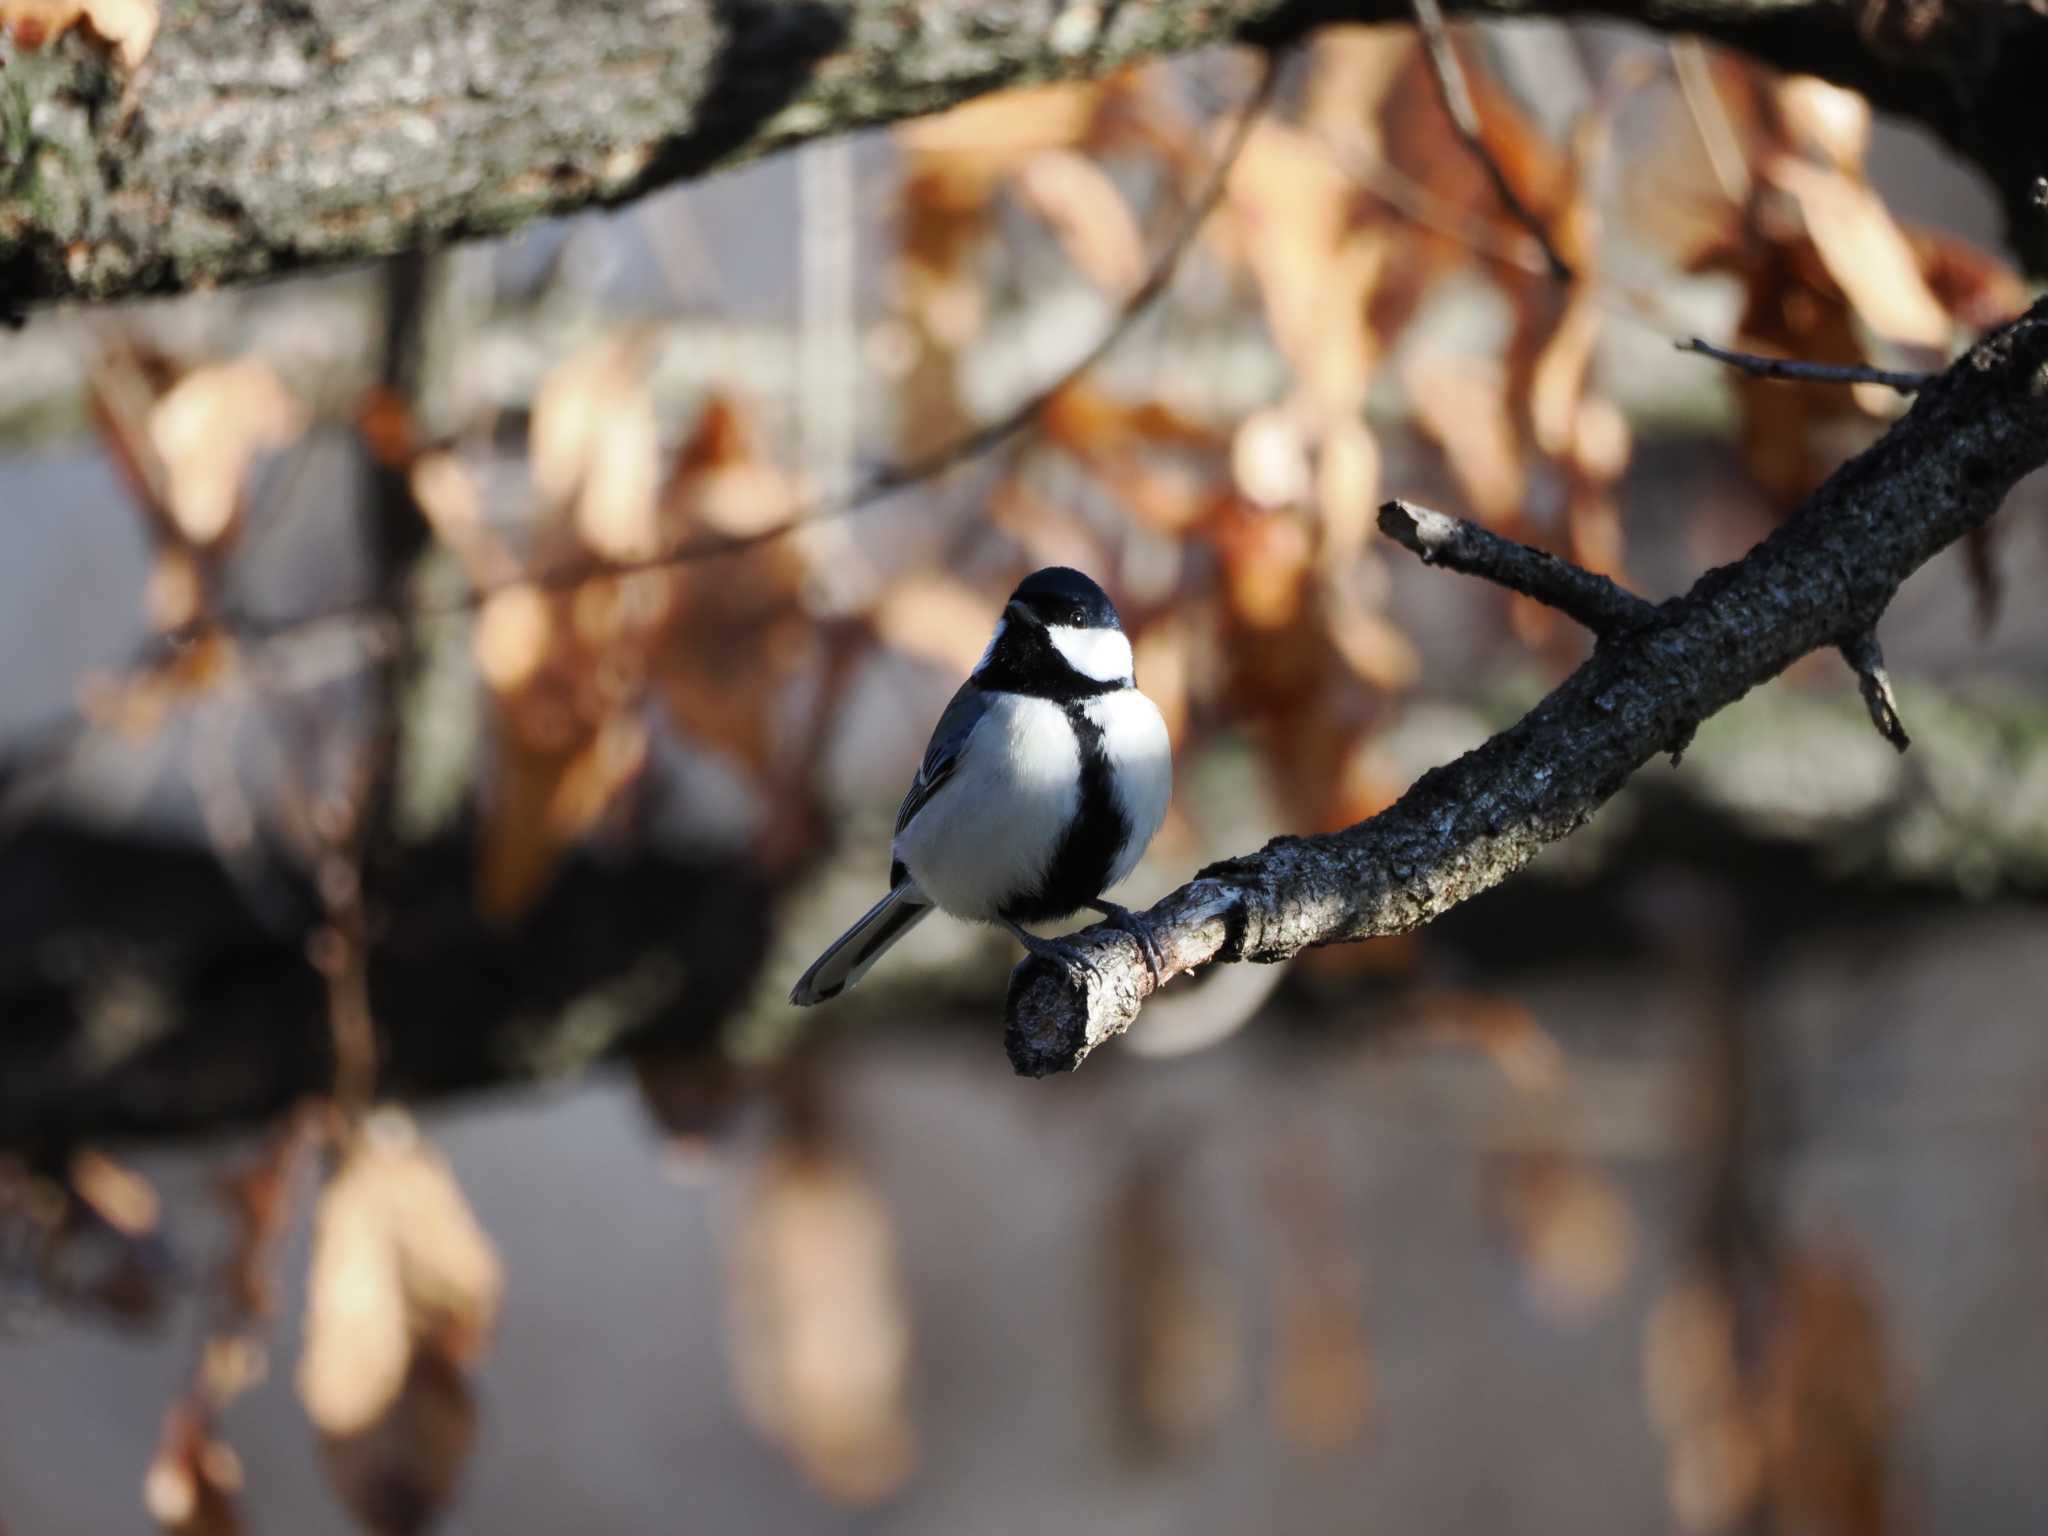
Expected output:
(992, 829)
(1140, 765)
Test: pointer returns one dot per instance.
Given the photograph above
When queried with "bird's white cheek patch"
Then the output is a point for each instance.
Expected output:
(1102, 655)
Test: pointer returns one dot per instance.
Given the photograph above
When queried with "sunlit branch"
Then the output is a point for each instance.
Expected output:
(1863, 655)
(1581, 595)
(1821, 580)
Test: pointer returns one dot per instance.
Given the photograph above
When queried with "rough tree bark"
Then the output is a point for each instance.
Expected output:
(260, 139)
(1821, 580)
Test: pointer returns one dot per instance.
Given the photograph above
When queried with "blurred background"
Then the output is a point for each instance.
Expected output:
(447, 703)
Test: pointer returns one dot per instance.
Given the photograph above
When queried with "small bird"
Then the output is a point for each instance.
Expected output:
(1044, 782)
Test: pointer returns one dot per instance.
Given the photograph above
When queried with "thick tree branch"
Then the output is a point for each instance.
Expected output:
(257, 140)
(1823, 579)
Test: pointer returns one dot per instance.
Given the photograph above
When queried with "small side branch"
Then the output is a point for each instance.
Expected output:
(1786, 368)
(1458, 105)
(1439, 539)
(1863, 655)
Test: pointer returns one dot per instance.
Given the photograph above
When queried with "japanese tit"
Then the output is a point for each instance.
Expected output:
(1044, 782)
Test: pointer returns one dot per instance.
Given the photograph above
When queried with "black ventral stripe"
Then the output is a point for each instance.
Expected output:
(1080, 867)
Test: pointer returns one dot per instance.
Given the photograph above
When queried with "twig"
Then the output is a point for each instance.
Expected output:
(1457, 99)
(1812, 373)
(1863, 655)
(1940, 471)
(1579, 594)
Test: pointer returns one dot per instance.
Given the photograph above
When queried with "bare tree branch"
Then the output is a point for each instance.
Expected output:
(1813, 373)
(258, 141)
(1823, 579)
(1580, 595)
(1592, 600)
(1456, 96)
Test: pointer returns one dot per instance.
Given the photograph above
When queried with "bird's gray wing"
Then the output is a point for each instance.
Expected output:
(942, 753)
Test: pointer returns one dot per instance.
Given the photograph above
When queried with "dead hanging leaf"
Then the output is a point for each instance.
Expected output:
(126, 26)
(1830, 1407)
(820, 1340)
(1700, 1406)
(193, 1478)
(513, 637)
(1347, 490)
(400, 1473)
(120, 1197)
(399, 1266)
(1269, 459)
(1463, 408)
(995, 132)
(1088, 215)
(1823, 121)
(594, 448)
(1865, 252)
(1572, 1228)
(207, 431)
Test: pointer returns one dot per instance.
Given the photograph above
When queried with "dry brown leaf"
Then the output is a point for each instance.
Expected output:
(1000, 129)
(1347, 490)
(513, 637)
(127, 26)
(723, 479)
(1574, 1231)
(207, 430)
(1823, 121)
(1699, 1404)
(594, 448)
(399, 1266)
(820, 1329)
(398, 1474)
(190, 1487)
(1088, 215)
(1463, 409)
(120, 1197)
(1269, 459)
(1866, 252)
(1829, 1403)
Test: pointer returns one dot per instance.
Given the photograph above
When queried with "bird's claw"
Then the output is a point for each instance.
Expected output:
(1127, 921)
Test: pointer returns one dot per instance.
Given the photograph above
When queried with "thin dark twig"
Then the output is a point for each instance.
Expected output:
(881, 483)
(1812, 373)
(1464, 115)
(1863, 654)
(1438, 539)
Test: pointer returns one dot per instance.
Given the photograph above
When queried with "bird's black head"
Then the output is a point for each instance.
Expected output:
(1059, 638)
(1058, 596)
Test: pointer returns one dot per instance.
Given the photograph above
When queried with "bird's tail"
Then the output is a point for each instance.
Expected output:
(862, 945)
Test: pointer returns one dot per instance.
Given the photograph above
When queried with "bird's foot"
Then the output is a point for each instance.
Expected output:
(1059, 952)
(1148, 946)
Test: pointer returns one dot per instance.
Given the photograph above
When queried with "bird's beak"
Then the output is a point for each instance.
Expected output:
(1017, 613)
